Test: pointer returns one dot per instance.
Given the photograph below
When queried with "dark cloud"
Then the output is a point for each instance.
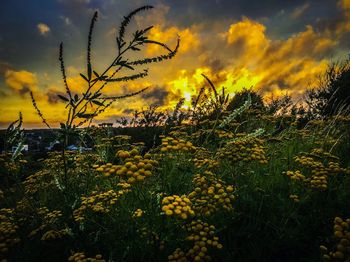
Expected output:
(344, 41)
(4, 66)
(22, 46)
(215, 64)
(52, 96)
(187, 12)
(25, 90)
(157, 94)
(280, 83)
(128, 111)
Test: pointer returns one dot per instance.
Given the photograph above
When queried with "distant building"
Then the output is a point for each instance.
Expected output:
(53, 145)
(80, 148)
(105, 125)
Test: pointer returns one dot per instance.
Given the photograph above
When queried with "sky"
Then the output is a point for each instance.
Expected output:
(275, 47)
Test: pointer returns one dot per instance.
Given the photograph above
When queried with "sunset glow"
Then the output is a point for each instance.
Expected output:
(277, 51)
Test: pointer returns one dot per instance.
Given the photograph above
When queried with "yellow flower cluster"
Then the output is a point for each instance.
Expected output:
(170, 144)
(8, 230)
(135, 167)
(206, 162)
(295, 198)
(342, 235)
(150, 237)
(180, 206)
(124, 185)
(318, 180)
(322, 164)
(203, 237)
(114, 141)
(224, 134)
(203, 158)
(40, 180)
(217, 134)
(24, 209)
(81, 257)
(81, 161)
(54, 234)
(98, 203)
(178, 256)
(295, 175)
(48, 219)
(245, 149)
(7, 164)
(210, 194)
(138, 213)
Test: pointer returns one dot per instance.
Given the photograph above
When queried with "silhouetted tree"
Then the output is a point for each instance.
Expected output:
(239, 99)
(332, 95)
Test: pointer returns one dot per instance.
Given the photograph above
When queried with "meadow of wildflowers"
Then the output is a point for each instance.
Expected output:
(235, 196)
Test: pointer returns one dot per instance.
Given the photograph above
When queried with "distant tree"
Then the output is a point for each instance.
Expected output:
(149, 117)
(239, 99)
(280, 105)
(332, 95)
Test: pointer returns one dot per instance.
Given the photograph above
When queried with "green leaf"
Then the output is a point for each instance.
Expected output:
(76, 98)
(18, 150)
(128, 66)
(63, 126)
(83, 115)
(120, 43)
(147, 29)
(96, 95)
(96, 74)
(85, 78)
(63, 98)
(97, 102)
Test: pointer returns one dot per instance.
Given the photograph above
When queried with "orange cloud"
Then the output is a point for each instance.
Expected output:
(342, 25)
(248, 38)
(43, 29)
(269, 65)
(344, 4)
(21, 82)
(293, 64)
(189, 39)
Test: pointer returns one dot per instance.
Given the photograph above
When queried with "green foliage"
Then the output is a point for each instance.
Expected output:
(239, 99)
(110, 201)
(236, 112)
(14, 137)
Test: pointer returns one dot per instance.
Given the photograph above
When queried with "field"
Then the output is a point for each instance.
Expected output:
(220, 190)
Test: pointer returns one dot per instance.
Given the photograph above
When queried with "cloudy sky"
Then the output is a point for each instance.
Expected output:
(276, 47)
